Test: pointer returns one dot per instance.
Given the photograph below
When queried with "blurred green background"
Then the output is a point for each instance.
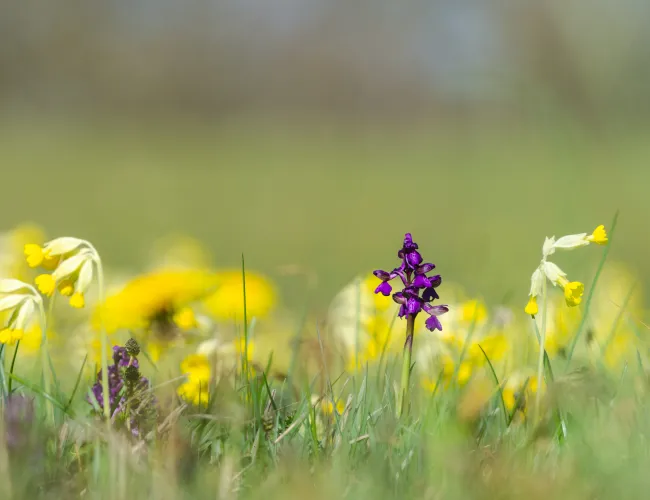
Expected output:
(316, 133)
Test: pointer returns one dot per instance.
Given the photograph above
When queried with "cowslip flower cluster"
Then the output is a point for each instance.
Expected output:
(72, 261)
(128, 399)
(413, 273)
(23, 302)
(573, 290)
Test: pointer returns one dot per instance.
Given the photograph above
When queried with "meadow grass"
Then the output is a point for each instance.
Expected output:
(291, 425)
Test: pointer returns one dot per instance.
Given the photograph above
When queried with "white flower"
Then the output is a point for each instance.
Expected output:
(552, 272)
(536, 282)
(549, 247)
(571, 242)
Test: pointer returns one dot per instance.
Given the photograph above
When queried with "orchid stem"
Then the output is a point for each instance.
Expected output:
(406, 365)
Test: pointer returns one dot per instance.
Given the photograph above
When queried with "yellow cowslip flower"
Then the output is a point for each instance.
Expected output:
(74, 270)
(22, 302)
(531, 308)
(599, 236)
(573, 291)
(227, 301)
(157, 301)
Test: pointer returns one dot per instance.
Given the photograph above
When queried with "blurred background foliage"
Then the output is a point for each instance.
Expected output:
(312, 134)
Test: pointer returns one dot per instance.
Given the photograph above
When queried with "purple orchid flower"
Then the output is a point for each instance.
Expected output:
(413, 273)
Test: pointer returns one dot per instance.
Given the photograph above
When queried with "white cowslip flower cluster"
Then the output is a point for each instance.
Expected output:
(22, 302)
(74, 262)
(573, 290)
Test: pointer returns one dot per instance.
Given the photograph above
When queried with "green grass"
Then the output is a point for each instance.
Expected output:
(332, 199)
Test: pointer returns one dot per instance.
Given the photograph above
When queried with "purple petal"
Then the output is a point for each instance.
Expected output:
(382, 275)
(413, 306)
(399, 298)
(430, 294)
(413, 258)
(421, 281)
(408, 242)
(402, 311)
(384, 288)
(436, 310)
(435, 280)
(433, 323)
(400, 272)
(425, 268)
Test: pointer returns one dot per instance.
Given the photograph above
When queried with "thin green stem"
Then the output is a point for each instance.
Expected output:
(44, 353)
(585, 313)
(406, 363)
(245, 358)
(104, 341)
(542, 347)
(11, 369)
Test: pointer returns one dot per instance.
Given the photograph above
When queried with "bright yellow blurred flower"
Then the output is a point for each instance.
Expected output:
(227, 302)
(10, 336)
(327, 407)
(599, 236)
(196, 367)
(156, 298)
(473, 311)
(185, 318)
(195, 393)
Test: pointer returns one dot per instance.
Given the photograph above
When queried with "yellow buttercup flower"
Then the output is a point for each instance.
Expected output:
(227, 301)
(599, 236)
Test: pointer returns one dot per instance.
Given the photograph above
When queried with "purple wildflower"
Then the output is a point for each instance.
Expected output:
(413, 274)
(128, 390)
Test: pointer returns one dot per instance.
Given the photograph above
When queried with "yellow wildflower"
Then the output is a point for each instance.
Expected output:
(227, 302)
(327, 407)
(473, 311)
(599, 236)
(195, 390)
(185, 318)
(157, 299)
(531, 307)
(45, 283)
(573, 291)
